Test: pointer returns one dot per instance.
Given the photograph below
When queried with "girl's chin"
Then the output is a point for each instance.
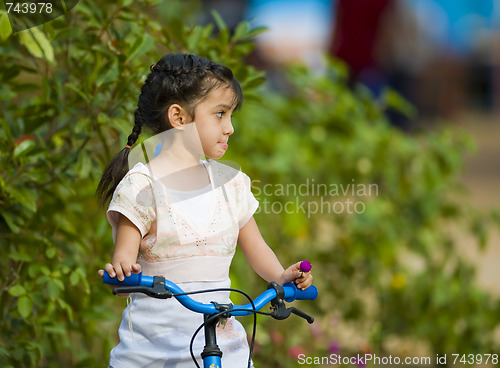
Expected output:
(215, 155)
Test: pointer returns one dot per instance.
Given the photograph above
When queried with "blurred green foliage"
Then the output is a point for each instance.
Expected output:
(67, 94)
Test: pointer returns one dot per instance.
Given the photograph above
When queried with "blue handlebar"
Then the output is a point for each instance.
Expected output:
(291, 293)
(134, 279)
(310, 293)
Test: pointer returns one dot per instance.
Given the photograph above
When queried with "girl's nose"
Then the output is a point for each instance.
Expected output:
(228, 128)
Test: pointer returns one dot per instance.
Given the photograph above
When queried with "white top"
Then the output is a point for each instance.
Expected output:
(187, 240)
(195, 203)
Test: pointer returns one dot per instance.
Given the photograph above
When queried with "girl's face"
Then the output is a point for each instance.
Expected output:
(213, 121)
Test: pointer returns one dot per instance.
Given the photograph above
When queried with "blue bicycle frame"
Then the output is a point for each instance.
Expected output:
(159, 287)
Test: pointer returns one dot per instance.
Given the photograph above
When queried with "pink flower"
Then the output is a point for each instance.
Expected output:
(360, 363)
(295, 351)
(316, 330)
(334, 347)
(277, 337)
(305, 266)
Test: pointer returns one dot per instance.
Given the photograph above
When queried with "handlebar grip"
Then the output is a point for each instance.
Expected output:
(310, 293)
(133, 280)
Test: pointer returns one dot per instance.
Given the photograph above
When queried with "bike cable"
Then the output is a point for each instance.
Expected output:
(217, 315)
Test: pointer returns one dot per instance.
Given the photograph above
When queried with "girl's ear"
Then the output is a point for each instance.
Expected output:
(177, 116)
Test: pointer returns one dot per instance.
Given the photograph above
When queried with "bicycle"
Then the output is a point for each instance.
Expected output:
(159, 287)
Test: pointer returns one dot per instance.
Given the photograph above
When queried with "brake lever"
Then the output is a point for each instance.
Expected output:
(299, 313)
(278, 303)
(280, 311)
(157, 290)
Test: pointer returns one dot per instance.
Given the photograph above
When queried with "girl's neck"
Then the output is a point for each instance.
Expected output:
(179, 160)
(179, 163)
(185, 148)
(180, 170)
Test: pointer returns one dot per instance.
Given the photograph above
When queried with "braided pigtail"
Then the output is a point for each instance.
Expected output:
(175, 79)
(117, 168)
(136, 130)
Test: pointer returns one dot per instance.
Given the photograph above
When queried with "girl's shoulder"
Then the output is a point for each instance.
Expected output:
(139, 176)
(139, 168)
(227, 171)
(229, 174)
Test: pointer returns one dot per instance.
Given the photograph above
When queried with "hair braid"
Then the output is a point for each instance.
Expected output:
(136, 130)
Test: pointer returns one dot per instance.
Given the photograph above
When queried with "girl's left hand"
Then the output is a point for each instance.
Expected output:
(293, 274)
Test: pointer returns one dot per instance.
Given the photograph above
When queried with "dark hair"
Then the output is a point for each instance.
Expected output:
(175, 79)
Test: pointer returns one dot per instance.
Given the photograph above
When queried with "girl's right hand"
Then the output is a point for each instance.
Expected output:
(120, 270)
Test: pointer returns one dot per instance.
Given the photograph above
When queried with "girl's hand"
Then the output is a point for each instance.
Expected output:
(120, 270)
(293, 274)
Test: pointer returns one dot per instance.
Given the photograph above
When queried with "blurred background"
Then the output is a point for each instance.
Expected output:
(439, 54)
(400, 95)
(443, 56)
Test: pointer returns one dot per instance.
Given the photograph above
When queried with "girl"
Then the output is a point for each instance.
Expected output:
(181, 217)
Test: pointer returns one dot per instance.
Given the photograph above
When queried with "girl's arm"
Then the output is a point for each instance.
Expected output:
(124, 262)
(264, 261)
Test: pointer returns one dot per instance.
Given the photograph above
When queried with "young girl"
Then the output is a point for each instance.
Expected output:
(181, 217)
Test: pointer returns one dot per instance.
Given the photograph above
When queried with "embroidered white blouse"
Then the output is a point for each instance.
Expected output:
(175, 244)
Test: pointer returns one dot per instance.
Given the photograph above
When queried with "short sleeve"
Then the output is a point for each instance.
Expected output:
(134, 199)
(247, 204)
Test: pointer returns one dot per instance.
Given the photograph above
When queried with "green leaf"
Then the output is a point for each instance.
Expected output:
(254, 82)
(103, 50)
(17, 290)
(25, 196)
(218, 20)
(37, 44)
(5, 353)
(66, 307)
(5, 27)
(84, 280)
(79, 92)
(23, 148)
(56, 329)
(6, 129)
(6, 93)
(73, 278)
(50, 252)
(194, 39)
(33, 270)
(398, 102)
(13, 221)
(255, 32)
(111, 74)
(140, 46)
(20, 256)
(53, 289)
(24, 306)
(240, 31)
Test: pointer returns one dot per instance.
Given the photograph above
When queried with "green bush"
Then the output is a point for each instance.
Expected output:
(68, 91)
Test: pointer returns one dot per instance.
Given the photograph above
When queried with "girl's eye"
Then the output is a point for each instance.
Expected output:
(219, 114)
